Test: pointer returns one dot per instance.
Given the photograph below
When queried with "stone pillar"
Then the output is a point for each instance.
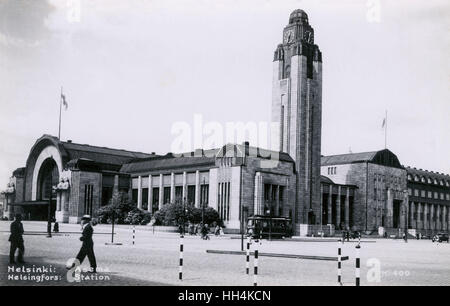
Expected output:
(259, 195)
(347, 209)
(338, 209)
(116, 185)
(411, 215)
(444, 215)
(62, 214)
(432, 214)
(419, 224)
(184, 186)
(58, 201)
(150, 194)
(330, 206)
(448, 218)
(139, 199)
(438, 217)
(161, 191)
(197, 189)
(172, 187)
(426, 224)
(390, 208)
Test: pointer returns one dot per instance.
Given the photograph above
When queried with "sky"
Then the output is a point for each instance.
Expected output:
(131, 69)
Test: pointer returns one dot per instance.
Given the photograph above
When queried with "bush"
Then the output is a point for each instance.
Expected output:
(138, 217)
(175, 215)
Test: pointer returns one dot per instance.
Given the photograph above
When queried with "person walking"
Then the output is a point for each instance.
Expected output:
(16, 240)
(87, 248)
(205, 231)
(56, 227)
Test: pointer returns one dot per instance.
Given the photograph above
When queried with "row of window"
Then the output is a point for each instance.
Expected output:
(332, 170)
(428, 180)
(190, 196)
(429, 194)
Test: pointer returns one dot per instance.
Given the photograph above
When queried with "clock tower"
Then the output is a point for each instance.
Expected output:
(297, 107)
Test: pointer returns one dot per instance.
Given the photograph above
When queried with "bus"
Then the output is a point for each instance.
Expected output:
(269, 227)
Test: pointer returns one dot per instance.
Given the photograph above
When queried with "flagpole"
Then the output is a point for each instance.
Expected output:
(385, 132)
(60, 107)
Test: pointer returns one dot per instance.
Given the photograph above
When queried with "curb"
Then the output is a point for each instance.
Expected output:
(294, 256)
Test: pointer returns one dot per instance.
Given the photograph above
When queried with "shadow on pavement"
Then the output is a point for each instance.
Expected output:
(37, 272)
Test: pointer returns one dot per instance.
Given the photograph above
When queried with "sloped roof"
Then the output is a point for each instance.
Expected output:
(101, 154)
(167, 162)
(200, 158)
(326, 179)
(426, 173)
(382, 157)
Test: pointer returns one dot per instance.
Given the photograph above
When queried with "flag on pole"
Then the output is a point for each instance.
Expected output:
(64, 102)
(384, 123)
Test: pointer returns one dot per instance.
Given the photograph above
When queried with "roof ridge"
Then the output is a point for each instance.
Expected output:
(99, 147)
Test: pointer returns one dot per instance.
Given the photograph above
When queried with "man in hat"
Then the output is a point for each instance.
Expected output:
(16, 240)
(87, 248)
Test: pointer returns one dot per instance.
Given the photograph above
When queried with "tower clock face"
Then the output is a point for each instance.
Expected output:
(308, 36)
(288, 36)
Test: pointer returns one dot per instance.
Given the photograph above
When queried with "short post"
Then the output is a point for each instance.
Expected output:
(247, 263)
(358, 265)
(340, 262)
(134, 234)
(255, 264)
(180, 274)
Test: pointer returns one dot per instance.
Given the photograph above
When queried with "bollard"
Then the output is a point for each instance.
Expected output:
(134, 233)
(339, 264)
(358, 266)
(247, 263)
(255, 275)
(180, 274)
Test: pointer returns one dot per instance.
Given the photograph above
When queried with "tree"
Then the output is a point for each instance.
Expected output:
(119, 205)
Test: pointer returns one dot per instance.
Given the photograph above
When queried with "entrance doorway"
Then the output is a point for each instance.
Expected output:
(47, 178)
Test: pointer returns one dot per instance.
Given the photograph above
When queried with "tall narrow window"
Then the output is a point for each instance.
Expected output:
(88, 199)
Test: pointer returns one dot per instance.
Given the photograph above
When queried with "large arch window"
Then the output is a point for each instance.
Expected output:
(48, 177)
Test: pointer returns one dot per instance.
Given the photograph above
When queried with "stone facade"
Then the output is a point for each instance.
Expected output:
(297, 108)
(429, 201)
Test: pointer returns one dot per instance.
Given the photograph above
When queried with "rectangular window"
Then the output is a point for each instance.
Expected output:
(134, 196)
(179, 194)
(106, 195)
(166, 195)
(416, 192)
(155, 200)
(204, 195)
(191, 194)
(145, 198)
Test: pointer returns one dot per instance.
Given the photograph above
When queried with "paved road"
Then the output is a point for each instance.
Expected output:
(153, 260)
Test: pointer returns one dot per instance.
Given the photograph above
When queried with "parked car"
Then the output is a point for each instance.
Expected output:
(440, 237)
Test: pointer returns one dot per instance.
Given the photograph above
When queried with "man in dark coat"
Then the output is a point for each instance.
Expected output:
(16, 240)
(87, 248)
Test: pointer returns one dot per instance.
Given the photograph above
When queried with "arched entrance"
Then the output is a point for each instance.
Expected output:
(48, 176)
